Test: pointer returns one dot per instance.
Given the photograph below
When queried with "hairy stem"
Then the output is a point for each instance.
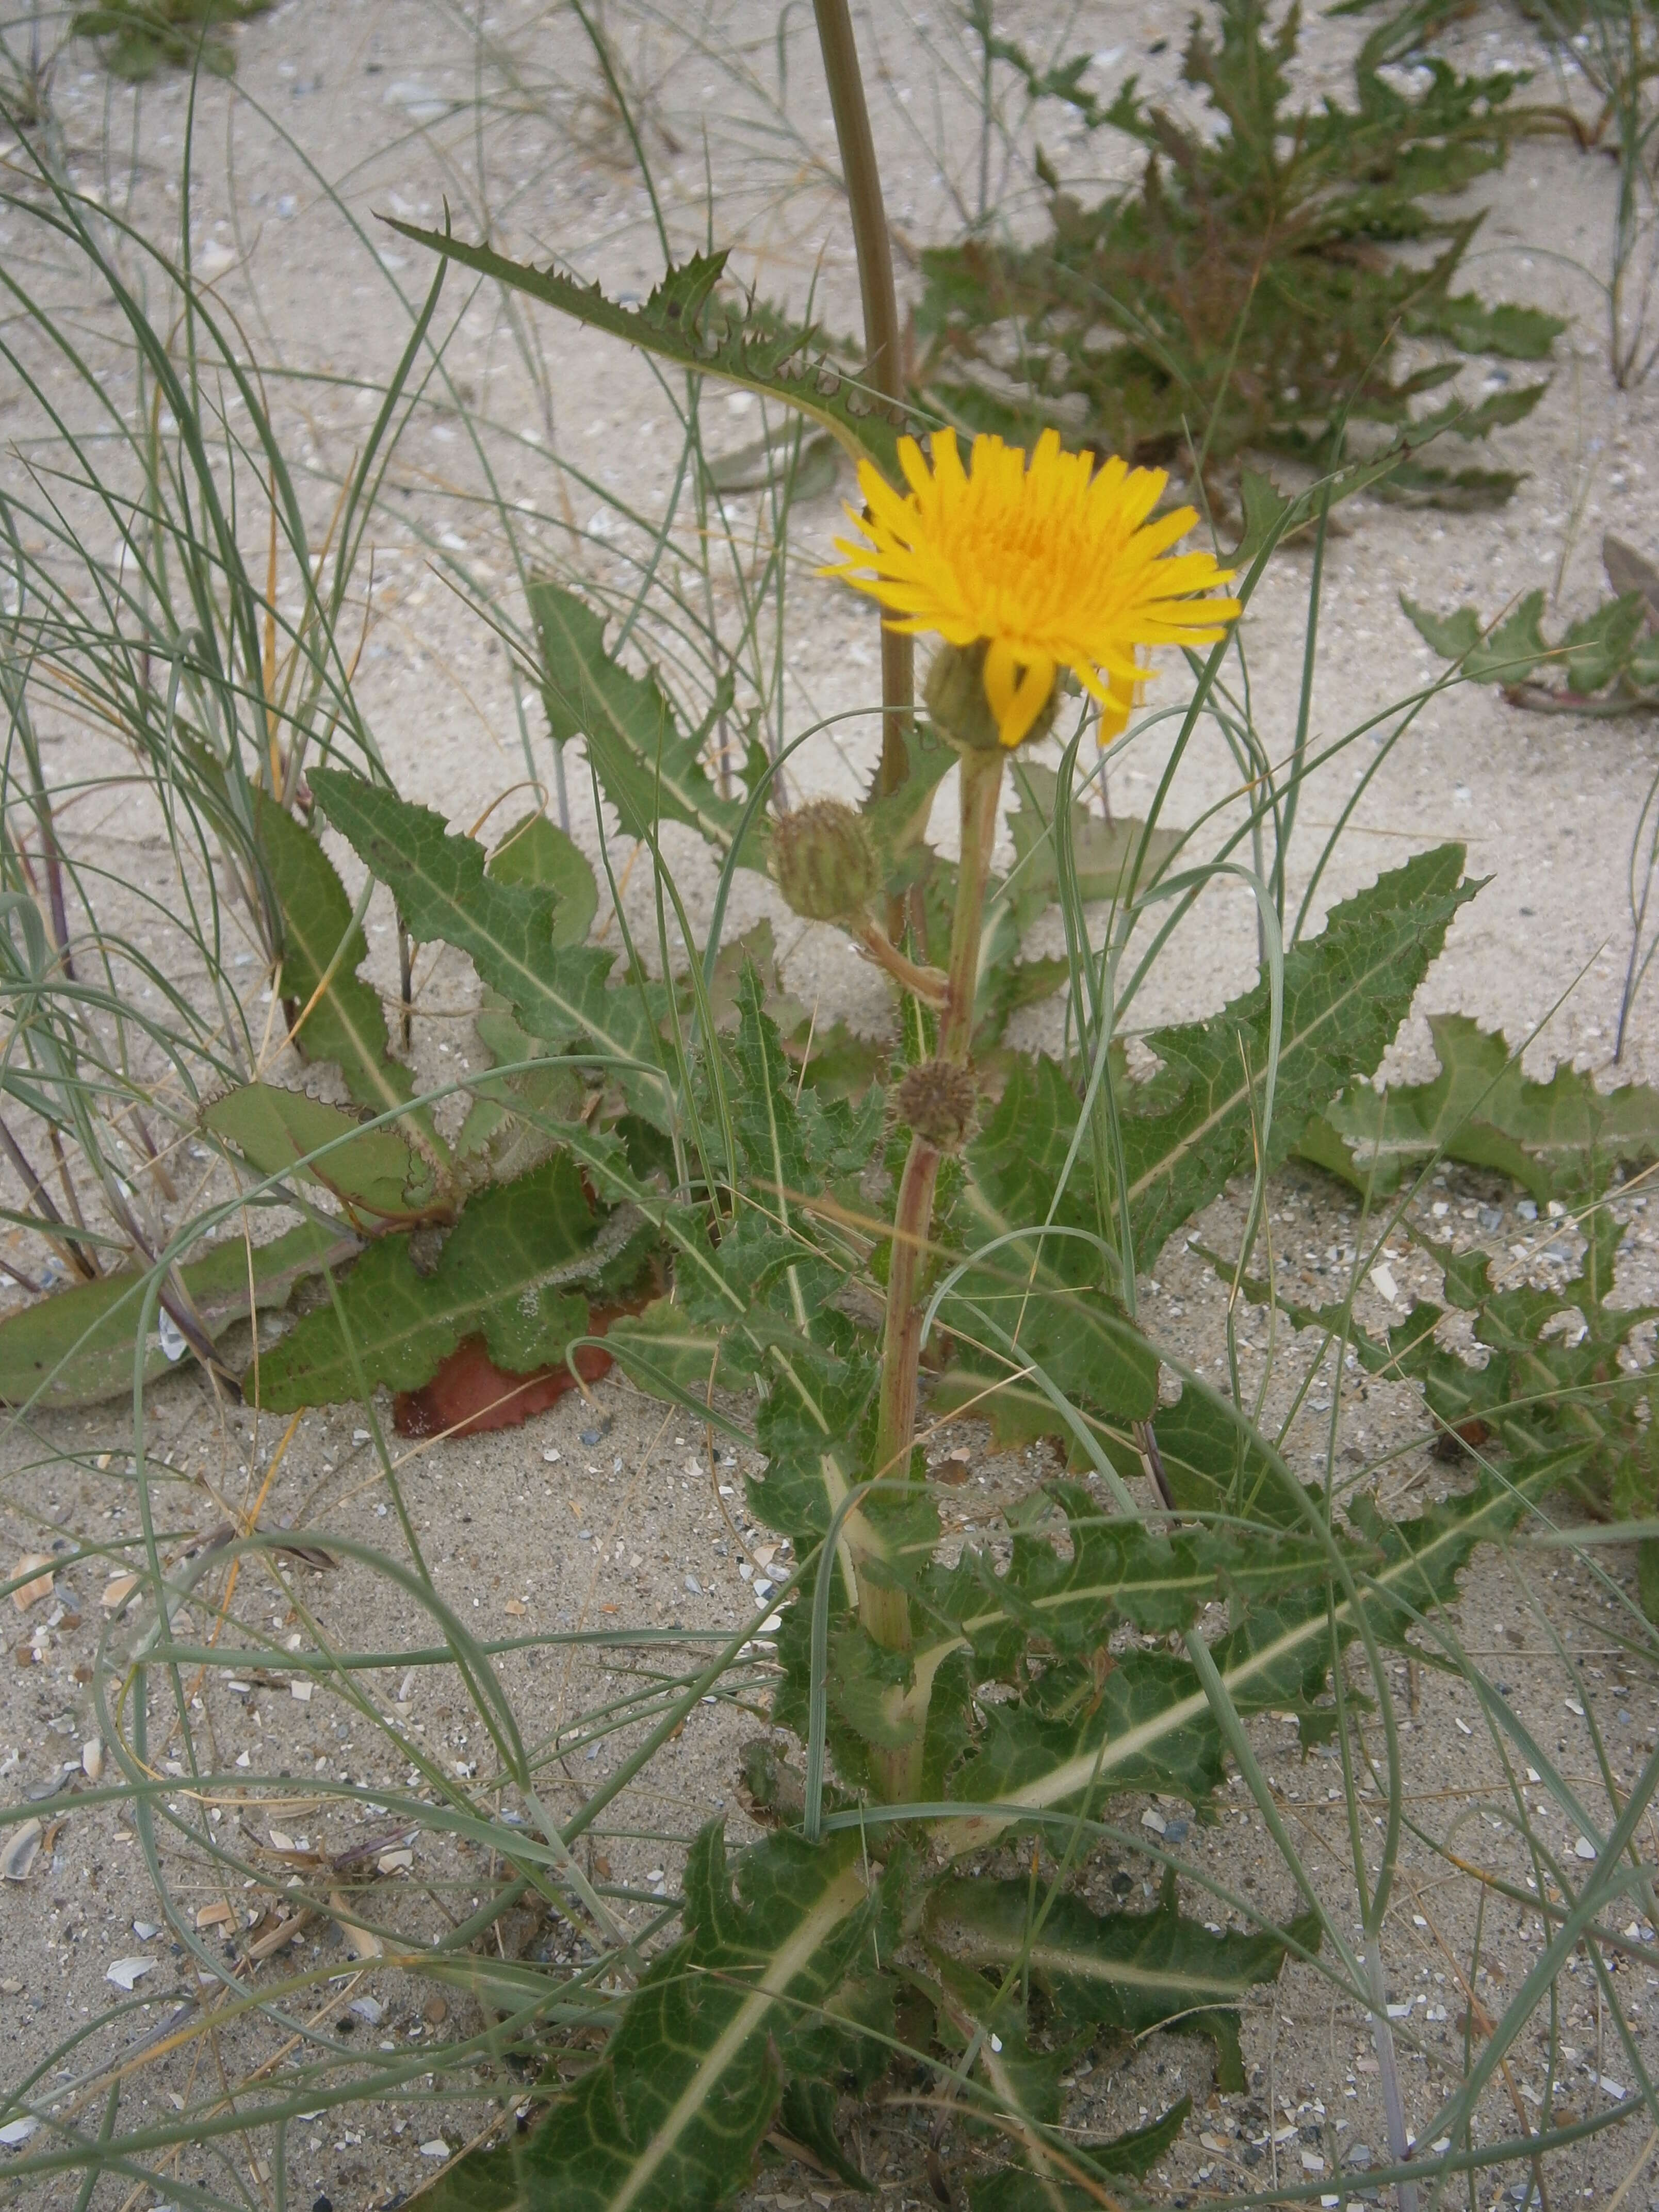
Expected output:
(882, 342)
(885, 1613)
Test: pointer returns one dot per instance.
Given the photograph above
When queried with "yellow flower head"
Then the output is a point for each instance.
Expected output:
(1051, 564)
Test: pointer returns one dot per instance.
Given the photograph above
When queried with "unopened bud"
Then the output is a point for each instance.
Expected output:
(959, 708)
(937, 1100)
(824, 861)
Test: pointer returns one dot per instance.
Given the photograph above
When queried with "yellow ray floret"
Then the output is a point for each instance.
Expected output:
(1050, 562)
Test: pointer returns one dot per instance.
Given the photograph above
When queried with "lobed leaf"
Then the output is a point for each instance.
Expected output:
(1132, 1971)
(1483, 1109)
(649, 769)
(1149, 1725)
(375, 1172)
(77, 1346)
(669, 2120)
(1197, 1121)
(681, 322)
(505, 928)
(516, 1269)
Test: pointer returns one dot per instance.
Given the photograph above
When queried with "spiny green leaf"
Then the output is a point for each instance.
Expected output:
(1133, 1972)
(649, 769)
(807, 2116)
(77, 1346)
(509, 1270)
(373, 1171)
(779, 364)
(1197, 1121)
(815, 1402)
(1512, 333)
(1576, 1403)
(1149, 1724)
(669, 2119)
(1025, 2088)
(346, 1024)
(1482, 1108)
(898, 819)
(1513, 650)
(1119, 1571)
(506, 929)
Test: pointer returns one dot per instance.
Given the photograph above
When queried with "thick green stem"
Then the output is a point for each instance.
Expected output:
(883, 344)
(980, 775)
(885, 1613)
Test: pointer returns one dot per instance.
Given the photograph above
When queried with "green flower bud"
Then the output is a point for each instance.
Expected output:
(960, 709)
(824, 862)
(938, 1100)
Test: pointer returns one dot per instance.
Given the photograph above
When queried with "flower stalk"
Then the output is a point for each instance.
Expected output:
(1024, 565)
(884, 1611)
(882, 342)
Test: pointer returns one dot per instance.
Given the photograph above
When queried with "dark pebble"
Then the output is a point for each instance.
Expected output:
(1175, 1832)
(322, 2204)
(591, 1436)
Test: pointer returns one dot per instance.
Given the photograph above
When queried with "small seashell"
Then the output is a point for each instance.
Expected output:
(92, 1758)
(31, 1593)
(19, 1850)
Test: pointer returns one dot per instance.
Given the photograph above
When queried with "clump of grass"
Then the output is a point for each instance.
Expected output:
(1613, 49)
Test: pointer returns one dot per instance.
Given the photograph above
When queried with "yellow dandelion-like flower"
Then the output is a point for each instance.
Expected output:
(1050, 563)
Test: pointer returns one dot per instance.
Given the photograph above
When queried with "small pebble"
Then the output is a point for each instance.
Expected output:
(591, 1436)
(694, 1586)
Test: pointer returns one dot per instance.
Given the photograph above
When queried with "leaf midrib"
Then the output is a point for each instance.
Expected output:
(1088, 1770)
(842, 1898)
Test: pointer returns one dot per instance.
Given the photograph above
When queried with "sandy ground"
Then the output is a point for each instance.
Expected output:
(606, 1514)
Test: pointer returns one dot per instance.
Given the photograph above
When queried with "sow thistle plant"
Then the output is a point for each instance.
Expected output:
(654, 1168)
(641, 1177)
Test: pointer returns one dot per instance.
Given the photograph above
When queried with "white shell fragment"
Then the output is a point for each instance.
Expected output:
(31, 1593)
(19, 1850)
